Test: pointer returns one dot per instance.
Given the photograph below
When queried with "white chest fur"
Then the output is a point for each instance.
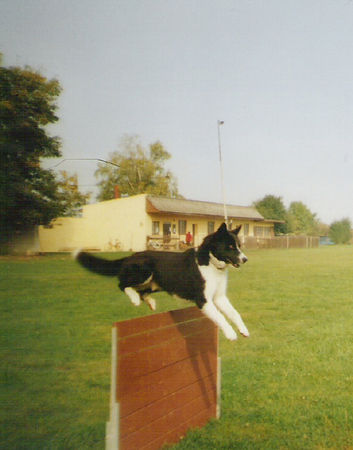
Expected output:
(215, 280)
(217, 302)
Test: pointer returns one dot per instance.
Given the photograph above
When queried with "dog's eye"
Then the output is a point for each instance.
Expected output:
(232, 247)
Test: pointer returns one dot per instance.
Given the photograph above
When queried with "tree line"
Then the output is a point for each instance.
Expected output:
(31, 195)
(298, 219)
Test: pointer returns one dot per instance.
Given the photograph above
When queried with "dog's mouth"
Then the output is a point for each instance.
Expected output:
(236, 265)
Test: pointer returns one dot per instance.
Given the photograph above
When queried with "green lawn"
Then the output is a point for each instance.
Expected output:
(290, 385)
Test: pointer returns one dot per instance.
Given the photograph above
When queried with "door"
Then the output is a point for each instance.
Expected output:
(167, 232)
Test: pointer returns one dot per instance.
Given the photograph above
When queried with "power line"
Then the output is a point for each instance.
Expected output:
(83, 159)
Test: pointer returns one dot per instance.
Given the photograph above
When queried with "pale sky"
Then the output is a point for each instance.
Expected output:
(278, 72)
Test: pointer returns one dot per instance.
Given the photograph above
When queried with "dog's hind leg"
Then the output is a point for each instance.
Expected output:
(151, 302)
(145, 296)
(133, 295)
(224, 305)
(136, 297)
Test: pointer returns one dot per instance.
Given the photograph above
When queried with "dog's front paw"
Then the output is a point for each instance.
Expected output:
(230, 334)
(244, 332)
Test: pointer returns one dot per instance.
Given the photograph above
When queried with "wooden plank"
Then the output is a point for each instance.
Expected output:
(156, 385)
(201, 388)
(144, 324)
(165, 354)
(164, 424)
(137, 342)
(175, 434)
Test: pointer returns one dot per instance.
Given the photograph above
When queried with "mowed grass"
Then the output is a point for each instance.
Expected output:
(290, 385)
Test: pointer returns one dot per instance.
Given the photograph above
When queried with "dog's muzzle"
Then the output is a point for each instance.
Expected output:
(242, 260)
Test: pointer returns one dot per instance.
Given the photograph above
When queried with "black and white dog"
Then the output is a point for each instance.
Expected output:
(199, 275)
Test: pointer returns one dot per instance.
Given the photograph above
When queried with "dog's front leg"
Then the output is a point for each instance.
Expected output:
(227, 308)
(133, 295)
(212, 313)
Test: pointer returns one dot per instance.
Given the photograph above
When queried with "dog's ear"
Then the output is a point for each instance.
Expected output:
(222, 228)
(236, 230)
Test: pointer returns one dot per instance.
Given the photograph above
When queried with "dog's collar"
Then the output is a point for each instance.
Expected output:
(220, 265)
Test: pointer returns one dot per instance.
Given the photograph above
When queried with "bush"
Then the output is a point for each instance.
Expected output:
(340, 231)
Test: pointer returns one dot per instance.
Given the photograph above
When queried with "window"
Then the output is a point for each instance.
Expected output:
(262, 232)
(155, 227)
(210, 227)
(258, 231)
(246, 229)
(267, 232)
(182, 226)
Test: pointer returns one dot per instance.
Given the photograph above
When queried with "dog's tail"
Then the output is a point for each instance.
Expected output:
(99, 265)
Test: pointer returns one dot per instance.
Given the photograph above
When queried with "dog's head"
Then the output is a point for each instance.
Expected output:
(222, 248)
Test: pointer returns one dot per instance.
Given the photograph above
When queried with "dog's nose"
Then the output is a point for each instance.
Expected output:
(244, 259)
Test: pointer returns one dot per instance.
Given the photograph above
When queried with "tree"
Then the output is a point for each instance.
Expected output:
(323, 229)
(28, 193)
(140, 171)
(72, 199)
(341, 231)
(301, 220)
(271, 207)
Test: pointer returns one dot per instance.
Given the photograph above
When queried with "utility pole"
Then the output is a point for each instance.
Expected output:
(219, 123)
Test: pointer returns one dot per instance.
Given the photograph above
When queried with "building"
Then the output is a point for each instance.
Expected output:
(144, 221)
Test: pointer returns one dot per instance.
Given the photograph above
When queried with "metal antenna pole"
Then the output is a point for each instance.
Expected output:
(219, 123)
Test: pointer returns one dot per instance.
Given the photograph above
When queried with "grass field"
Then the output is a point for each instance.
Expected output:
(289, 386)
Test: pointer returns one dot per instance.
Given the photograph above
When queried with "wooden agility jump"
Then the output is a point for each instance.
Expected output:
(165, 379)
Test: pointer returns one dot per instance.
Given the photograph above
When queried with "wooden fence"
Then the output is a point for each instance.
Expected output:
(175, 244)
(282, 242)
(165, 379)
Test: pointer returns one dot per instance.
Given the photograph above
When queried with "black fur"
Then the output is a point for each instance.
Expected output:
(100, 265)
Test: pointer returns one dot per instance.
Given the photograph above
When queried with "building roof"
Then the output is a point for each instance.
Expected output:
(161, 205)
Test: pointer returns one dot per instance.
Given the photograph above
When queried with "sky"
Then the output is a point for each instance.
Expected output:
(279, 73)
